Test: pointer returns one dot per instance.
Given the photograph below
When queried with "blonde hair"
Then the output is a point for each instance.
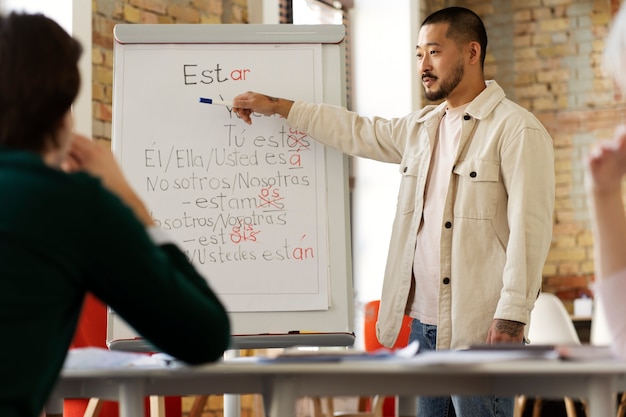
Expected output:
(614, 59)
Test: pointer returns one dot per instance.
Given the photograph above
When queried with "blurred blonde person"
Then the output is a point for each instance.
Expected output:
(606, 167)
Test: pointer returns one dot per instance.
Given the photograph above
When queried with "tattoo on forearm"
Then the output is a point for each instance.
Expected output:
(512, 328)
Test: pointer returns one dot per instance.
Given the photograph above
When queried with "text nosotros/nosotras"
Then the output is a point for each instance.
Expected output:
(239, 181)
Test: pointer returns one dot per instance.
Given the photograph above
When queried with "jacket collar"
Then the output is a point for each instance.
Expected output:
(479, 108)
(486, 101)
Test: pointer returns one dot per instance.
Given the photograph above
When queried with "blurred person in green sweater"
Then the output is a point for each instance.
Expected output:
(70, 224)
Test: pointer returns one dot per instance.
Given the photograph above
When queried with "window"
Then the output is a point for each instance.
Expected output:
(311, 12)
(59, 10)
(315, 12)
(75, 17)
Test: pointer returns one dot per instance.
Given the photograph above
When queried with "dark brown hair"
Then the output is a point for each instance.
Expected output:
(39, 80)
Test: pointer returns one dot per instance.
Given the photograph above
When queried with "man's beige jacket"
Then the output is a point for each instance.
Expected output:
(497, 225)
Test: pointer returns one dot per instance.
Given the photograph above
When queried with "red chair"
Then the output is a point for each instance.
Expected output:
(91, 331)
(372, 344)
(375, 406)
(369, 329)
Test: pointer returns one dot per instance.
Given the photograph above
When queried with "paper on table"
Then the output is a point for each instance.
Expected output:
(326, 355)
(567, 352)
(478, 356)
(585, 352)
(92, 357)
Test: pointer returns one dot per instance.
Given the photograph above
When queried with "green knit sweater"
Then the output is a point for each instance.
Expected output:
(62, 236)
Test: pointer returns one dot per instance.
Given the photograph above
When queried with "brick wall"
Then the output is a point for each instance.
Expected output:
(546, 55)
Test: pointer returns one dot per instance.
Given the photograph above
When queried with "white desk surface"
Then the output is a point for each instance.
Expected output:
(282, 383)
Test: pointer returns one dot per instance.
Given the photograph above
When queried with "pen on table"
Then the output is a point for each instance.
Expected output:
(216, 102)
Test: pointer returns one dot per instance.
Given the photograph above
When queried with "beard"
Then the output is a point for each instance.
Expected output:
(448, 85)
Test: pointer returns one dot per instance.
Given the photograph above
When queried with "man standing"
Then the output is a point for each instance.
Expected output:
(474, 216)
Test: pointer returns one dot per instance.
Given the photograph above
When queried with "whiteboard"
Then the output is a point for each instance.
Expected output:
(262, 211)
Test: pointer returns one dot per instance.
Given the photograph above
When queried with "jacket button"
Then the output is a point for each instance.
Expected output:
(448, 225)
(467, 117)
(404, 170)
(446, 281)
(473, 174)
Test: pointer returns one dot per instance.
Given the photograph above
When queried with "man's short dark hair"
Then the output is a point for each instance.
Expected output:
(464, 26)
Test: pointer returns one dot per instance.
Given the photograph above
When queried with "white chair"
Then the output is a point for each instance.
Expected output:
(550, 324)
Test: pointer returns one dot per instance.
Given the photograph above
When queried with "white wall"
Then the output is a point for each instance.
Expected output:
(269, 11)
(75, 17)
(59, 10)
(384, 35)
(81, 29)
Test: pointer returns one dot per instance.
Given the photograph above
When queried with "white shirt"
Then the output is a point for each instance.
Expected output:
(426, 264)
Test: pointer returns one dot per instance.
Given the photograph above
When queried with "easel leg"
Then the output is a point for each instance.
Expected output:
(282, 398)
(232, 402)
(131, 399)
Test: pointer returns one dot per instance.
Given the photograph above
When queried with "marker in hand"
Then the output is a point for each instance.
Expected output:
(216, 102)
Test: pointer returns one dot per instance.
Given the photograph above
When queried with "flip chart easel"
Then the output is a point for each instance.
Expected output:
(263, 210)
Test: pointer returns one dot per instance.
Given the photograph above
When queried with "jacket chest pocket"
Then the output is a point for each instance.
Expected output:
(477, 187)
(408, 186)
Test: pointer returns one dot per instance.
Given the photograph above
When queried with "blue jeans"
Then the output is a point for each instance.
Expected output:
(455, 406)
